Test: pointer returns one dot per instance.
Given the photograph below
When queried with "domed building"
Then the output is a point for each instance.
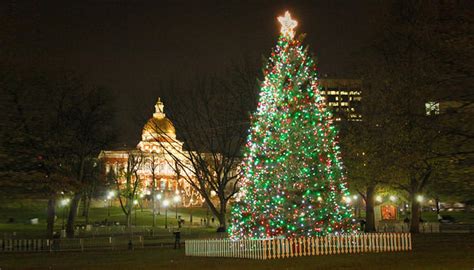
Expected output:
(159, 148)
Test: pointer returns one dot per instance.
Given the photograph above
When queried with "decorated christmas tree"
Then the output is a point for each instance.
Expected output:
(294, 183)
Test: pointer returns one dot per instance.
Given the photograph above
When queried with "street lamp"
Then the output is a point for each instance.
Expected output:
(64, 203)
(135, 202)
(110, 196)
(176, 199)
(355, 197)
(393, 198)
(420, 199)
(347, 200)
(158, 197)
(378, 198)
(166, 203)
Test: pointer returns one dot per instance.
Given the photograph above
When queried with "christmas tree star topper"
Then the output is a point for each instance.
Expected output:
(287, 25)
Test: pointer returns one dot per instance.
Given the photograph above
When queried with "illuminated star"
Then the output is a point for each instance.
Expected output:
(287, 25)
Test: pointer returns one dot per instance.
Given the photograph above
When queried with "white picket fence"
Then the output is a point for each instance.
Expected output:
(263, 249)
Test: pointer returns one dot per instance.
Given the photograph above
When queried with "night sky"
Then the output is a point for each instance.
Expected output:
(131, 47)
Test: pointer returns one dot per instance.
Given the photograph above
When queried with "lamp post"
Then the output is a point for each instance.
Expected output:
(378, 198)
(64, 203)
(135, 203)
(110, 196)
(166, 203)
(356, 205)
(420, 199)
(176, 199)
(158, 197)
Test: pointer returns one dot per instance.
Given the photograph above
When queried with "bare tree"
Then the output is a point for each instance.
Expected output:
(413, 62)
(152, 162)
(211, 122)
(37, 139)
(127, 181)
(90, 122)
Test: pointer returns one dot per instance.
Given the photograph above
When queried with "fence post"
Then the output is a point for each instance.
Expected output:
(316, 244)
(234, 248)
(366, 243)
(371, 242)
(360, 242)
(238, 249)
(264, 249)
(308, 245)
(405, 241)
(249, 247)
(409, 241)
(226, 248)
(255, 248)
(398, 241)
(394, 239)
(378, 242)
(300, 246)
(354, 244)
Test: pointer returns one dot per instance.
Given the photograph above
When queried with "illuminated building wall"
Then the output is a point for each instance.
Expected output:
(343, 96)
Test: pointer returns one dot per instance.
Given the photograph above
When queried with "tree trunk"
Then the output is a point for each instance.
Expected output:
(415, 214)
(129, 220)
(84, 204)
(51, 213)
(369, 209)
(72, 214)
(74, 207)
(86, 209)
(154, 208)
(437, 206)
(221, 216)
(129, 212)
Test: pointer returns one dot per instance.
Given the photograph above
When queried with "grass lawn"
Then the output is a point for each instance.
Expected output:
(24, 210)
(431, 251)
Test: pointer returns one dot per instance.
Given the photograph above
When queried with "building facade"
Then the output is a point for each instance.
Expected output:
(159, 153)
(344, 96)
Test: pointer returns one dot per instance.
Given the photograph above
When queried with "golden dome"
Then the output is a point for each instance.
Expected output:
(159, 125)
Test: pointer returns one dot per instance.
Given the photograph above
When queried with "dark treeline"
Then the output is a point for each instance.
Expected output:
(422, 56)
(53, 128)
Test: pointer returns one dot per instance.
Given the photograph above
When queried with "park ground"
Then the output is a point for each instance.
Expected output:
(21, 211)
(430, 251)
